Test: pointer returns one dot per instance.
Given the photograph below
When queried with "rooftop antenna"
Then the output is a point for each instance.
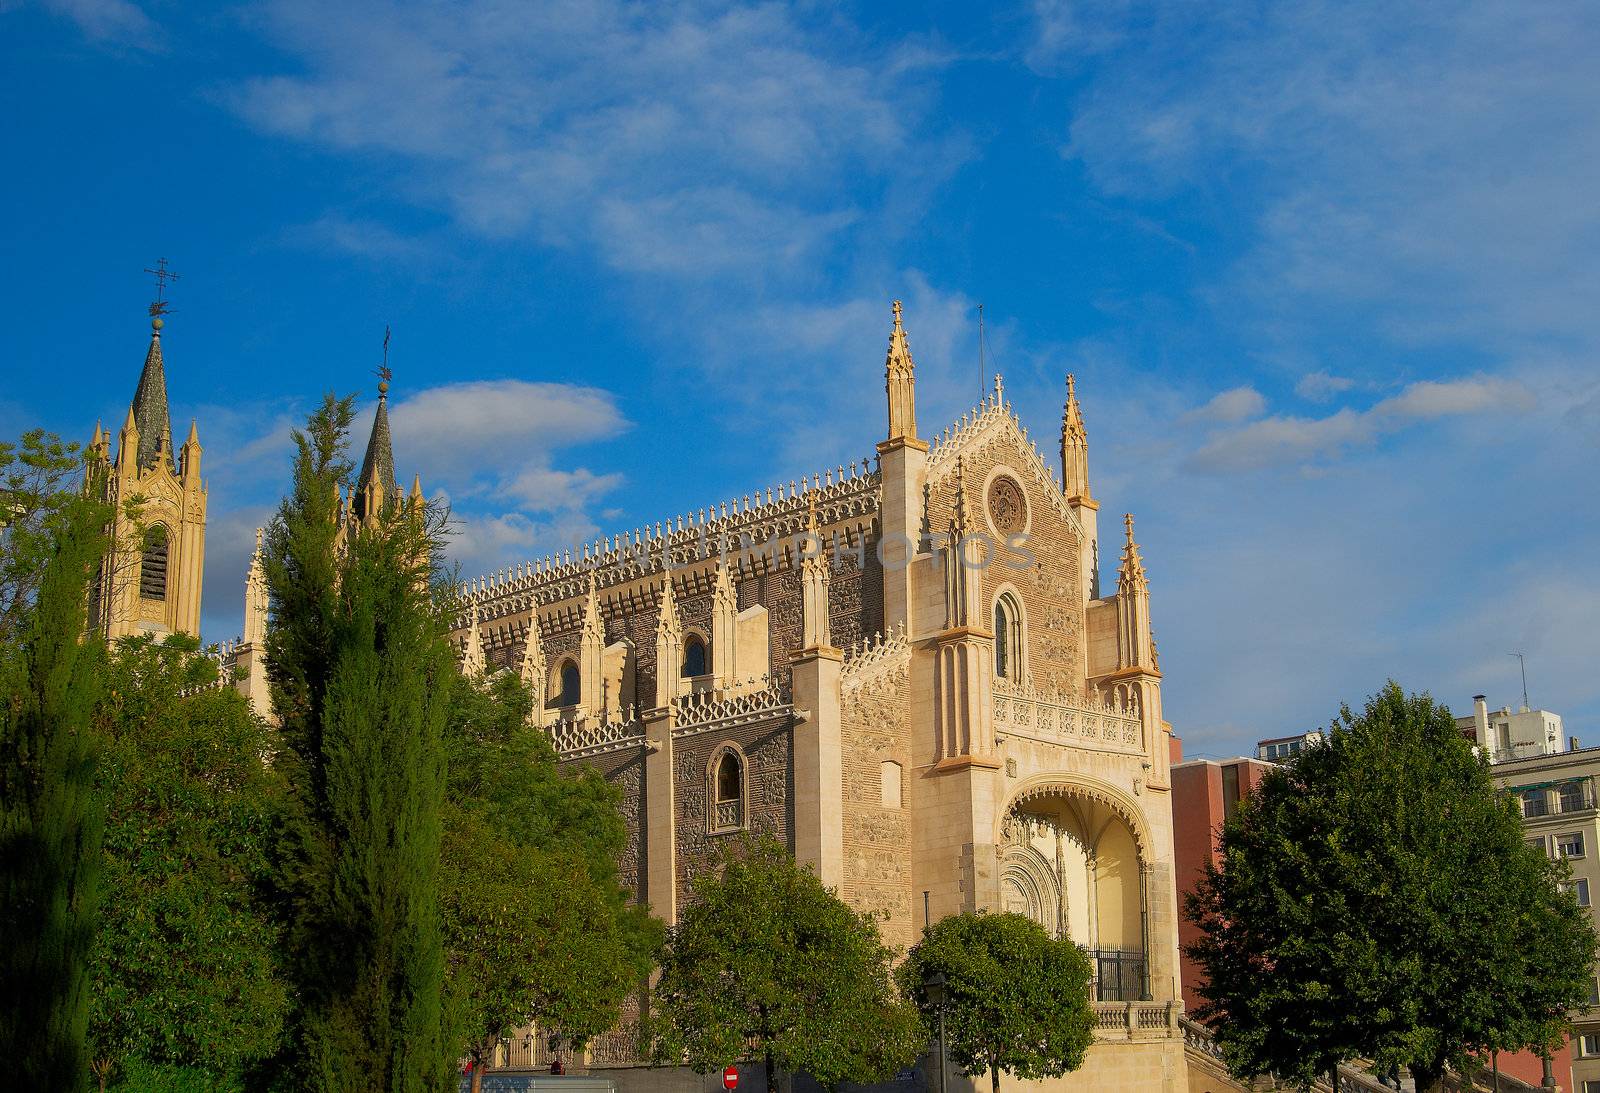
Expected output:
(980, 351)
(1523, 662)
(162, 275)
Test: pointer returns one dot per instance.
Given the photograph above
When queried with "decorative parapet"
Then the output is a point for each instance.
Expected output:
(839, 493)
(585, 737)
(1093, 723)
(980, 426)
(875, 659)
(759, 699)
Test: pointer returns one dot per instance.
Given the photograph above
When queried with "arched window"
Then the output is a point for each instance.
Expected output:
(570, 685)
(727, 778)
(1008, 638)
(153, 564)
(694, 656)
(889, 777)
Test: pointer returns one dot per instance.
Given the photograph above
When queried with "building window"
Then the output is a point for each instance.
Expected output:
(889, 774)
(1594, 992)
(1580, 888)
(1533, 803)
(1008, 638)
(727, 790)
(1570, 846)
(694, 656)
(1537, 844)
(1588, 1046)
(153, 564)
(1570, 796)
(1591, 1087)
(570, 684)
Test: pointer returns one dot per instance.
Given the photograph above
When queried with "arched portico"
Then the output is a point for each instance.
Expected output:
(1074, 857)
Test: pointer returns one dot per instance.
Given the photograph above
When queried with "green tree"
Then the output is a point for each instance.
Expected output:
(1377, 899)
(184, 968)
(50, 815)
(360, 667)
(1015, 998)
(538, 927)
(765, 957)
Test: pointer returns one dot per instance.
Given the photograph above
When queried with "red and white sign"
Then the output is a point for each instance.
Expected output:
(730, 1077)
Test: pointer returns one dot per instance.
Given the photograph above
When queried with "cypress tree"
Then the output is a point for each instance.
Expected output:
(50, 816)
(360, 668)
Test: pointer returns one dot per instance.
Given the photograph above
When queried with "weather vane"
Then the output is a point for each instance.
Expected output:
(384, 373)
(162, 275)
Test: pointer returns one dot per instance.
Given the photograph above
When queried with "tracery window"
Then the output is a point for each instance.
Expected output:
(727, 790)
(153, 564)
(570, 688)
(694, 656)
(1008, 638)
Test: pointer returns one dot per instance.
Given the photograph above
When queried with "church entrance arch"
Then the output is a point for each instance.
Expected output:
(1074, 858)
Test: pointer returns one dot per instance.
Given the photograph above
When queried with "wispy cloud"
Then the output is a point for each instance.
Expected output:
(1322, 386)
(1238, 404)
(109, 22)
(1296, 441)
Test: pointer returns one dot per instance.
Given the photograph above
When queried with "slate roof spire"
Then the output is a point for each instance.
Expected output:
(149, 407)
(376, 486)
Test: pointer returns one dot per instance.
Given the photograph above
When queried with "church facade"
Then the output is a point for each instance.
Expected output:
(904, 669)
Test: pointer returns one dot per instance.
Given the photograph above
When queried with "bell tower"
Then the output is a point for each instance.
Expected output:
(150, 579)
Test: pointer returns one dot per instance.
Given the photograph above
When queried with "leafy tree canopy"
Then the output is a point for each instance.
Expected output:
(538, 928)
(1015, 998)
(184, 965)
(765, 957)
(1377, 899)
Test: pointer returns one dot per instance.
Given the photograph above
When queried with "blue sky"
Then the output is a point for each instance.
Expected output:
(1325, 272)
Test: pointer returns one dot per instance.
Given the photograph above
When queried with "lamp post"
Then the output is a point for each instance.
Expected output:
(934, 987)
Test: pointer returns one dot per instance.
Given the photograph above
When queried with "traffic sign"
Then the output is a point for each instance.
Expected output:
(730, 1077)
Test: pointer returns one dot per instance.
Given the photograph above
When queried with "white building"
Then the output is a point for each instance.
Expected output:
(1507, 735)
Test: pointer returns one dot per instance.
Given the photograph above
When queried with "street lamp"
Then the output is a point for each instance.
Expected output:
(934, 987)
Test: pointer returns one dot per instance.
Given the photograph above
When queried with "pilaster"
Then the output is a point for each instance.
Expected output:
(902, 466)
(819, 762)
(660, 820)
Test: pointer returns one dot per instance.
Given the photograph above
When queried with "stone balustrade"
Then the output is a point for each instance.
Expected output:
(1037, 714)
(1121, 1021)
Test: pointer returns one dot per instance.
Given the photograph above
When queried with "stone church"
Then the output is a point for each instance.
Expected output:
(904, 668)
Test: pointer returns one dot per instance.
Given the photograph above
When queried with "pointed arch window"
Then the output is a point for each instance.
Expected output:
(727, 775)
(1008, 646)
(695, 661)
(153, 563)
(568, 684)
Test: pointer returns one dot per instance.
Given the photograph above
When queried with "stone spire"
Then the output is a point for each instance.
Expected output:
(1135, 644)
(1074, 448)
(961, 591)
(1131, 575)
(255, 598)
(724, 611)
(900, 382)
(473, 663)
(376, 485)
(814, 585)
(149, 409)
(669, 644)
(591, 652)
(535, 669)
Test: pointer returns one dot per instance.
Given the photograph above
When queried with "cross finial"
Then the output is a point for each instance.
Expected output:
(1127, 521)
(162, 275)
(897, 313)
(1072, 387)
(383, 372)
(999, 390)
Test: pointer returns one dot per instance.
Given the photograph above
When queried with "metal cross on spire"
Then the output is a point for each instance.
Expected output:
(384, 373)
(162, 275)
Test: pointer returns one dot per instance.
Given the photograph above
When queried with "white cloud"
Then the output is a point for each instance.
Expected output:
(1238, 404)
(687, 139)
(1278, 441)
(112, 22)
(1322, 386)
(1423, 162)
